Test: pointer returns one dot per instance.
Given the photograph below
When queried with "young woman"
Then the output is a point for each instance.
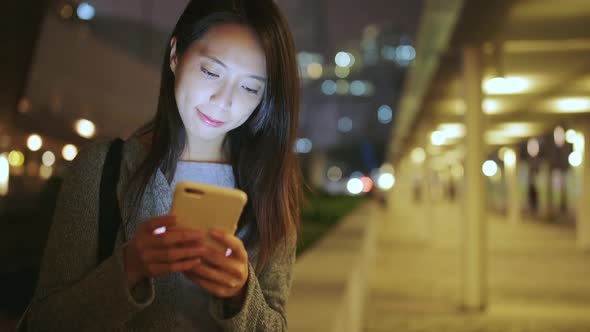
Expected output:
(227, 115)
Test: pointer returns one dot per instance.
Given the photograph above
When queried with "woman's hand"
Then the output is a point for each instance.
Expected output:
(160, 247)
(223, 274)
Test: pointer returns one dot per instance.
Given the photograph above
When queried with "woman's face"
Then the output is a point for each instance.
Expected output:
(219, 81)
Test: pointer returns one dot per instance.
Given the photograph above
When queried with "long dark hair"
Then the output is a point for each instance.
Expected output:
(261, 150)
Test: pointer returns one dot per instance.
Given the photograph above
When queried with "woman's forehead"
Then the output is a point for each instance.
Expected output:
(233, 46)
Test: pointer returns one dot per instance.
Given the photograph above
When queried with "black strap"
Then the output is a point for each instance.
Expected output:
(109, 215)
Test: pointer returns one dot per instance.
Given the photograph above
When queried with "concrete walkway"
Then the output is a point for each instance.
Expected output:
(538, 280)
(330, 279)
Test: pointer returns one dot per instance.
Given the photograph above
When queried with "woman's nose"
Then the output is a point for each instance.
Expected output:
(222, 97)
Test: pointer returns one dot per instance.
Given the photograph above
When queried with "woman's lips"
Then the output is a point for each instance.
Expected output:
(208, 120)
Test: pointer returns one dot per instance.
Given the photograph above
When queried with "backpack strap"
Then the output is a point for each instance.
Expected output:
(109, 214)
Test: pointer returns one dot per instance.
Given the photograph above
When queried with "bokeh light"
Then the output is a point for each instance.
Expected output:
(315, 70)
(4, 174)
(573, 104)
(66, 11)
(69, 152)
(501, 152)
(345, 124)
(386, 181)
(533, 147)
(418, 155)
(357, 88)
(334, 173)
(578, 143)
(16, 158)
(342, 87)
(85, 128)
(437, 137)
(48, 158)
(341, 72)
(559, 136)
(45, 172)
(506, 85)
(384, 114)
(85, 11)
(570, 136)
(509, 157)
(489, 168)
(329, 87)
(34, 142)
(575, 158)
(490, 106)
(303, 145)
(367, 184)
(405, 54)
(354, 186)
(344, 59)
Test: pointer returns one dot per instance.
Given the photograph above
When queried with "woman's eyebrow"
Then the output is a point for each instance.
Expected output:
(256, 77)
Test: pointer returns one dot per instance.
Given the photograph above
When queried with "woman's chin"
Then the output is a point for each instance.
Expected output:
(207, 135)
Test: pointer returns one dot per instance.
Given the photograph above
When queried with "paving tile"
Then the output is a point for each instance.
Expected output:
(537, 279)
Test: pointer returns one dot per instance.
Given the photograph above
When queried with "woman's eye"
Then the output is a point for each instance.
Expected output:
(208, 73)
(250, 90)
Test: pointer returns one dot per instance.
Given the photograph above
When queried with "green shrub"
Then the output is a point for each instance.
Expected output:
(320, 213)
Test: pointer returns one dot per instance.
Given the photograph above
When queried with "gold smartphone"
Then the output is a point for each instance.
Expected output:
(203, 207)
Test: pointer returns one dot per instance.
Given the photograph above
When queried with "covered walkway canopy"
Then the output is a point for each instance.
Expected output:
(490, 75)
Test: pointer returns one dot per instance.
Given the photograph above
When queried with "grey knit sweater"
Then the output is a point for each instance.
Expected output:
(74, 294)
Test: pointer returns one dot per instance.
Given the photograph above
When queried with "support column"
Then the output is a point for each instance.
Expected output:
(548, 211)
(404, 178)
(398, 190)
(474, 223)
(427, 215)
(513, 211)
(583, 210)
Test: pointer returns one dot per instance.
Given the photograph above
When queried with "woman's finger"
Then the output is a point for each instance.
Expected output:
(157, 223)
(227, 264)
(174, 238)
(156, 269)
(232, 242)
(216, 289)
(216, 275)
(174, 254)
(212, 287)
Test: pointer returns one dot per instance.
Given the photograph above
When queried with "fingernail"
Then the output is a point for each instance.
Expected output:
(160, 230)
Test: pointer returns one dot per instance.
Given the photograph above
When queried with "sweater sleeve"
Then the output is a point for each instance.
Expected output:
(265, 301)
(73, 293)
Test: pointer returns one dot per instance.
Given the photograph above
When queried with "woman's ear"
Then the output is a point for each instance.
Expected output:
(173, 55)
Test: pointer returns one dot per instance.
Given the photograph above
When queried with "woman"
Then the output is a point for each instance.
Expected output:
(227, 115)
